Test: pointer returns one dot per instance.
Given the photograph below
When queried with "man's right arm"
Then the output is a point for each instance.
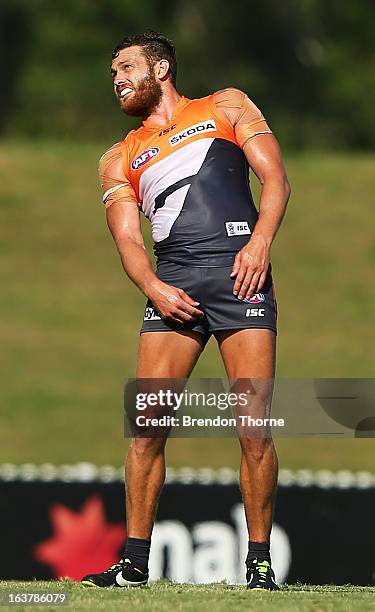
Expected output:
(123, 220)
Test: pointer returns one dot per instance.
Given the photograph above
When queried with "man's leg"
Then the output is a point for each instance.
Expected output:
(161, 355)
(250, 354)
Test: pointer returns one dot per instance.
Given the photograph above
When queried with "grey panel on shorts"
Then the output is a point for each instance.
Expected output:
(212, 287)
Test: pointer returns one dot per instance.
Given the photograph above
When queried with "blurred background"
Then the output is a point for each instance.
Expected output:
(70, 317)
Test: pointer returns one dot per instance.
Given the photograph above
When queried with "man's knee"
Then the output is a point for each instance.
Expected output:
(148, 447)
(256, 448)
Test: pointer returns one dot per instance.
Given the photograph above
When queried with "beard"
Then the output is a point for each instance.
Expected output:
(145, 97)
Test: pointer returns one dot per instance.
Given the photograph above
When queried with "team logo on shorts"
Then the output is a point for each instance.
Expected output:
(151, 314)
(257, 298)
(145, 157)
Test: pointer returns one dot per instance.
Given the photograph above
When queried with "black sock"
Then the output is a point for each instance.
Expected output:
(258, 550)
(138, 551)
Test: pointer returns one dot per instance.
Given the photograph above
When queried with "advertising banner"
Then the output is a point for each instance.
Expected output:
(323, 532)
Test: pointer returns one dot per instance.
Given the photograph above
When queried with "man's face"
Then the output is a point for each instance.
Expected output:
(135, 84)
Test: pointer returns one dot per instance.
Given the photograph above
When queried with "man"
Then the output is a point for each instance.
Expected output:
(186, 167)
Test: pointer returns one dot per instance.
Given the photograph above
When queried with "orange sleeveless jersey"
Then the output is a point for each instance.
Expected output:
(191, 176)
(193, 121)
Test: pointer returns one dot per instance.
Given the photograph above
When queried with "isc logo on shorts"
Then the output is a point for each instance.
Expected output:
(151, 314)
(237, 228)
(255, 312)
(204, 126)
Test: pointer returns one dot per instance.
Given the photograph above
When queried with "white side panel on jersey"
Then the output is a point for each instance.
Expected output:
(164, 218)
(180, 164)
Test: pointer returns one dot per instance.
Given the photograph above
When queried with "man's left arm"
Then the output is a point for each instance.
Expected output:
(251, 263)
(262, 151)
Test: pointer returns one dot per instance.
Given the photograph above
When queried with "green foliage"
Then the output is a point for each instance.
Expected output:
(309, 65)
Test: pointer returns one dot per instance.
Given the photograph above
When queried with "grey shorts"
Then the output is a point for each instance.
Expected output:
(212, 287)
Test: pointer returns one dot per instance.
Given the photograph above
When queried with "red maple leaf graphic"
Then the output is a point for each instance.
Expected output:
(83, 542)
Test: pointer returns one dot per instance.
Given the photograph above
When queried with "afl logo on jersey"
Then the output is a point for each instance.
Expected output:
(257, 298)
(145, 157)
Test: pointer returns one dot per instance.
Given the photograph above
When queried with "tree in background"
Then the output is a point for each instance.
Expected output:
(309, 64)
(14, 47)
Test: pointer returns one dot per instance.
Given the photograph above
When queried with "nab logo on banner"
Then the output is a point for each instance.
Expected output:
(211, 551)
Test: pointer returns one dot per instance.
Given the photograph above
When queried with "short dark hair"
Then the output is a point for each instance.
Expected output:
(156, 47)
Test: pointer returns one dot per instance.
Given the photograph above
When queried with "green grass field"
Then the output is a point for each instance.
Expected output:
(70, 317)
(165, 596)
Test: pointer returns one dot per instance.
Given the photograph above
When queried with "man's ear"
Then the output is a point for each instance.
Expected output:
(162, 69)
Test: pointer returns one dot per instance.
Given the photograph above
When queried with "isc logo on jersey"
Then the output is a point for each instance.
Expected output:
(237, 228)
(204, 126)
(145, 157)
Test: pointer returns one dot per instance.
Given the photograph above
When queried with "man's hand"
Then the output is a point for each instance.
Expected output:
(173, 304)
(250, 267)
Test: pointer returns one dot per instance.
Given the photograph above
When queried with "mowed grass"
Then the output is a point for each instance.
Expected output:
(164, 596)
(70, 317)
